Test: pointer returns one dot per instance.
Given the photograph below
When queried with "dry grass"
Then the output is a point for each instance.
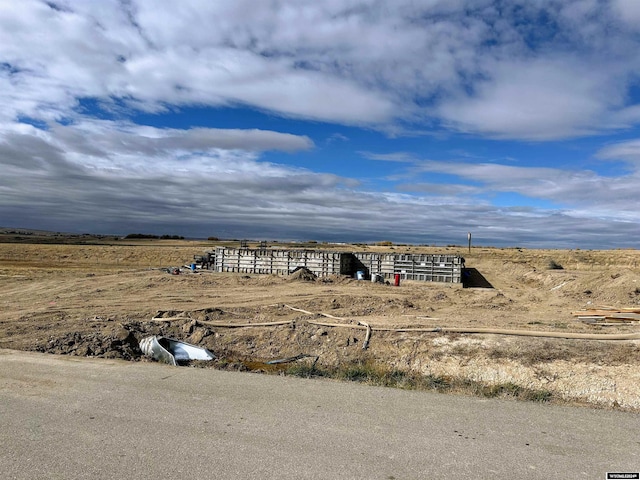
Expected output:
(375, 373)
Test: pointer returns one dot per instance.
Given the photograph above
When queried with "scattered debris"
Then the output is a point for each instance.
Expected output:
(560, 286)
(223, 324)
(313, 313)
(473, 330)
(292, 359)
(377, 278)
(172, 270)
(608, 315)
(168, 350)
(367, 337)
(553, 265)
(118, 342)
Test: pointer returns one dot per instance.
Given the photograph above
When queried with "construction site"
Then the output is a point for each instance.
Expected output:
(543, 325)
(360, 265)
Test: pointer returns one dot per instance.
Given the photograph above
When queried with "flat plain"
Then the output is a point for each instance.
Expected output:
(98, 297)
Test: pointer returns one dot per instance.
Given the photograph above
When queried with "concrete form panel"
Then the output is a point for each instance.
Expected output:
(421, 267)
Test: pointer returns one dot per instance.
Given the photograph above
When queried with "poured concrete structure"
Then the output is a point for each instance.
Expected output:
(422, 267)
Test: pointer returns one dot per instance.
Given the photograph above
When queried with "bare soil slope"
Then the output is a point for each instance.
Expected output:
(100, 300)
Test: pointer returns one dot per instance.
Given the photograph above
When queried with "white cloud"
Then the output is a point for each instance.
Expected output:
(101, 53)
(606, 197)
(535, 100)
(402, 157)
(222, 76)
(628, 10)
(336, 137)
(628, 151)
(498, 73)
(452, 193)
(103, 138)
(112, 150)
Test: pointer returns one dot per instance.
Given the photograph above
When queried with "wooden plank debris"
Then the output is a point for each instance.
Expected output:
(604, 315)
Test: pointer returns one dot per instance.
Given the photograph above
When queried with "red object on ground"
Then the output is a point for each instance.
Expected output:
(396, 280)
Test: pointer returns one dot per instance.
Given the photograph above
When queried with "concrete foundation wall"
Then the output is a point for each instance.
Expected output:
(421, 267)
(279, 262)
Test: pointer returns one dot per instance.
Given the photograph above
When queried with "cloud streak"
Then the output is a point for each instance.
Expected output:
(617, 197)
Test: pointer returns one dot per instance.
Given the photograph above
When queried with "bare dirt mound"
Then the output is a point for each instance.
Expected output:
(302, 274)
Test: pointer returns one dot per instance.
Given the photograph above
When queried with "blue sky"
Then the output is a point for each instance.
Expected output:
(410, 121)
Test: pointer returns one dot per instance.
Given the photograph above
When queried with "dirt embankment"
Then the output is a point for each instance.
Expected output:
(100, 300)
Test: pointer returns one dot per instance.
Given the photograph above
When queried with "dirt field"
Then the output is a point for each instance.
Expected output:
(99, 300)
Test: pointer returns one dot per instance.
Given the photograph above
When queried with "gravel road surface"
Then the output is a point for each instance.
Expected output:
(72, 418)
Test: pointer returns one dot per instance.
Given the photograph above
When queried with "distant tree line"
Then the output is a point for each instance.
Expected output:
(161, 237)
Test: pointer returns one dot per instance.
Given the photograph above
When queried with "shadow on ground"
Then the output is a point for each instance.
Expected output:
(472, 278)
